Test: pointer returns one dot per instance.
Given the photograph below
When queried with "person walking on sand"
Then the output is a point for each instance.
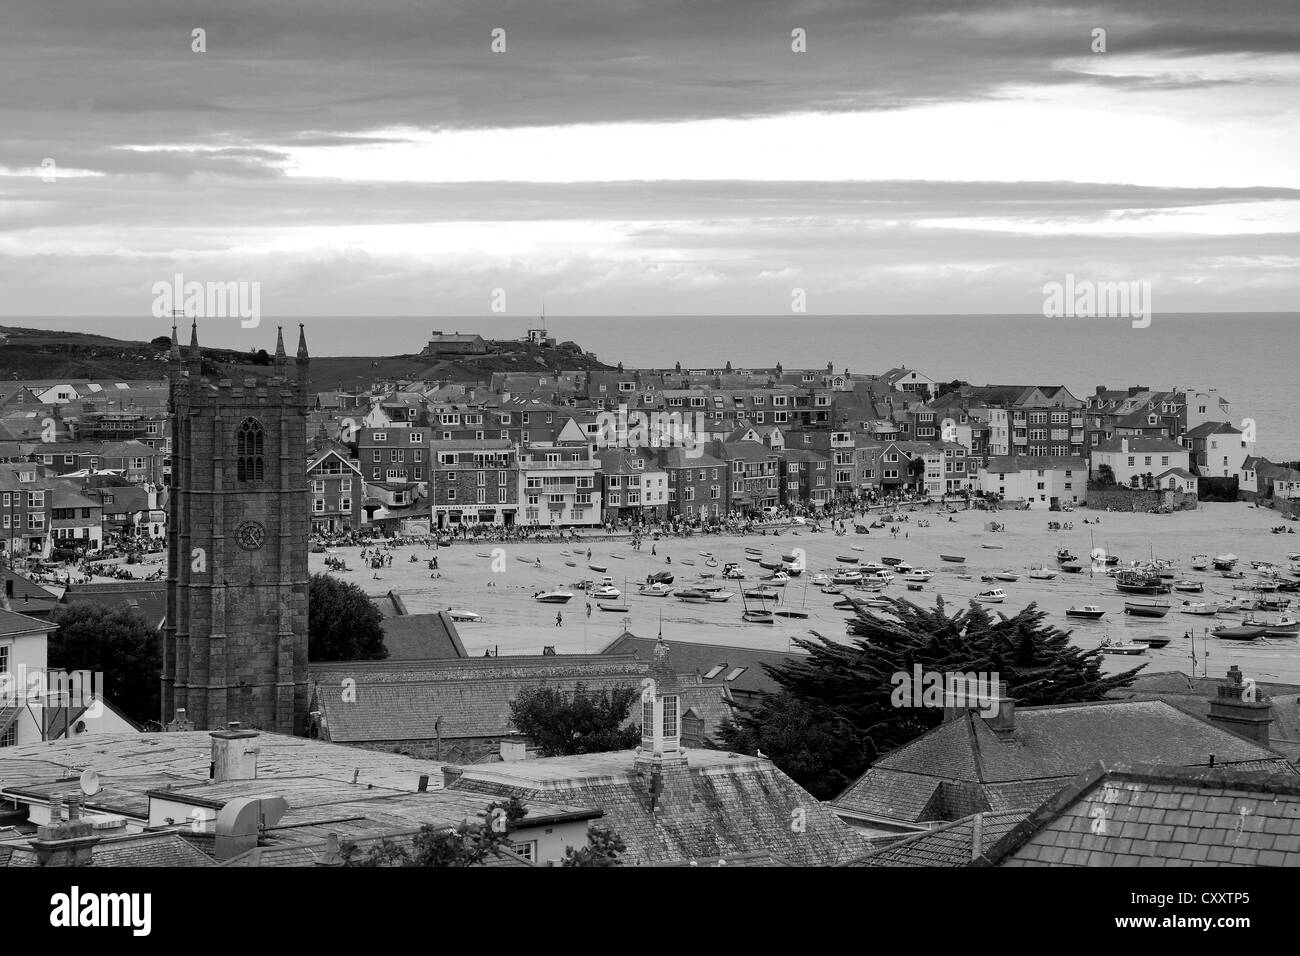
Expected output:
(588, 609)
(652, 551)
(559, 619)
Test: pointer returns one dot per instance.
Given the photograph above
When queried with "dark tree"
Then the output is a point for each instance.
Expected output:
(584, 722)
(837, 709)
(343, 624)
(467, 844)
(115, 642)
(603, 848)
(1105, 476)
(162, 342)
(943, 388)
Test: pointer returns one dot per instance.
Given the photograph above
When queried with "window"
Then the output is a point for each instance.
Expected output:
(419, 455)
(318, 505)
(736, 673)
(451, 494)
(379, 436)
(451, 476)
(345, 504)
(670, 715)
(417, 437)
(527, 851)
(378, 456)
(318, 487)
(249, 443)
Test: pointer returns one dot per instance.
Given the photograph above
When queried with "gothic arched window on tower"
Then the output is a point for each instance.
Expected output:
(249, 443)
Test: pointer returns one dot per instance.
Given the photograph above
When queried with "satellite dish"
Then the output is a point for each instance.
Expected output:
(89, 782)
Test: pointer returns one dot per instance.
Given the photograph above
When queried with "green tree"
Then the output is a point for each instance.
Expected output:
(467, 844)
(583, 722)
(1105, 475)
(343, 624)
(603, 848)
(115, 642)
(837, 710)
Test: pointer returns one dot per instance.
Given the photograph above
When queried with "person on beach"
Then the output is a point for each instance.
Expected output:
(652, 551)
(588, 609)
(559, 619)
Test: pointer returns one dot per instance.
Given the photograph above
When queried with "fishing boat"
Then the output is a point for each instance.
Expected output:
(1155, 641)
(919, 574)
(762, 592)
(992, 596)
(1267, 603)
(1285, 628)
(847, 577)
(1040, 573)
(718, 596)
(1089, 612)
(1140, 582)
(891, 561)
(618, 607)
(692, 596)
(661, 577)
(1007, 575)
(1189, 587)
(780, 577)
(1224, 562)
(1065, 555)
(553, 597)
(1240, 632)
(953, 558)
(464, 615)
(1146, 608)
(1198, 607)
(606, 592)
(821, 579)
(1200, 562)
(1070, 567)
(757, 616)
(1131, 648)
(846, 559)
(598, 568)
(655, 590)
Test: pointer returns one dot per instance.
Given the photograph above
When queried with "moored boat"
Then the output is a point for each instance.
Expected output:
(691, 596)
(1224, 562)
(992, 596)
(953, 558)
(553, 597)
(1065, 554)
(919, 574)
(1155, 641)
(757, 617)
(1189, 587)
(1140, 582)
(1089, 612)
(1007, 575)
(1200, 562)
(655, 590)
(464, 615)
(1146, 608)
(846, 559)
(1198, 607)
(610, 606)
(1071, 567)
(717, 597)
(1040, 573)
(762, 592)
(1131, 648)
(1240, 632)
(598, 568)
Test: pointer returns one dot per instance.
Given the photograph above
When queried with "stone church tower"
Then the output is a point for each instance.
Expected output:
(235, 641)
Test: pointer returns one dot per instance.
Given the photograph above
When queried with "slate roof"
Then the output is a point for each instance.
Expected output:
(1115, 815)
(12, 623)
(137, 849)
(28, 597)
(703, 659)
(422, 637)
(717, 804)
(962, 766)
(951, 845)
(148, 597)
(403, 700)
(1139, 446)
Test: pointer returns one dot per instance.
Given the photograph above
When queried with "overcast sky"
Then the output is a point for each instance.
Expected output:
(377, 157)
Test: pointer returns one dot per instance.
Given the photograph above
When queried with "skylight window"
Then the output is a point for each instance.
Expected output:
(736, 673)
(715, 671)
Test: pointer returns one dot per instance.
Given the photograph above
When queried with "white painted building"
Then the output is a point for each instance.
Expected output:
(1131, 458)
(1041, 480)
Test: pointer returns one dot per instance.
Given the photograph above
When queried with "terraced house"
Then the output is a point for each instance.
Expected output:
(335, 492)
(474, 483)
(394, 455)
(25, 509)
(635, 487)
(753, 470)
(560, 486)
(698, 485)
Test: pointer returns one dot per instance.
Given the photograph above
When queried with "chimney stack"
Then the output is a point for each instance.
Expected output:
(60, 843)
(1004, 721)
(234, 753)
(1238, 707)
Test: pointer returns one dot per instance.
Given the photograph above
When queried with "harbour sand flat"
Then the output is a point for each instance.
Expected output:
(517, 624)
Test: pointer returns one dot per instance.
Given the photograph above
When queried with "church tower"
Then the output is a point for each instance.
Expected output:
(235, 641)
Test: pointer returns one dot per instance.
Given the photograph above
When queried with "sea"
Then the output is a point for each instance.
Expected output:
(1248, 357)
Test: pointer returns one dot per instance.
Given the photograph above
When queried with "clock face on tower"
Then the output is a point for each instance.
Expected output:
(250, 535)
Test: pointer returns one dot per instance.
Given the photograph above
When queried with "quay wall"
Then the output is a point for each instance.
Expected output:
(1125, 499)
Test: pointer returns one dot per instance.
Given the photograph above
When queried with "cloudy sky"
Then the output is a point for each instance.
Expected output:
(648, 156)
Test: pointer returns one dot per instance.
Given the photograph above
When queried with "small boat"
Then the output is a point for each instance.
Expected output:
(707, 575)
(692, 596)
(1007, 575)
(1070, 567)
(987, 578)
(856, 548)
(1200, 562)
(963, 577)
(1239, 633)
(992, 547)
(553, 597)
(1224, 562)
(606, 591)
(570, 564)
(688, 562)
(919, 574)
(1112, 559)
(821, 578)
(762, 592)
(1273, 603)
(620, 608)
(1041, 573)
(954, 558)
(717, 597)
(883, 577)
(598, 568)
(891, 561)
(1146, 608)
(521, 558)
(831, 589)
(711, 563)
(770, 564)
(464, 615)
(790, 612)
(483, 554)
(992, 596)
(757, 617)
(1065, 555)
(847, 577)
(1131, 648)
(618, 556)
(1198, 607)
(789, 558)
(1155, 642)
(655, 590)
(1235, 575)
(705, 554)
(1285, 628)
(903, 568)
(846, 559)
(915, 586)
(1140, 582)
(1189, 587)
(1089, 612)
(756, 558)
(661, 577)
(780, 577)
(754, 551)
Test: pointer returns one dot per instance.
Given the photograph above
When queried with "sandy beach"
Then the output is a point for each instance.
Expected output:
(516, 624)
